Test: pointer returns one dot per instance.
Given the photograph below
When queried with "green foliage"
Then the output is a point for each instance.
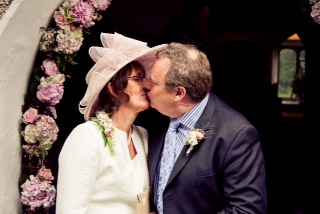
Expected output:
(287, 71)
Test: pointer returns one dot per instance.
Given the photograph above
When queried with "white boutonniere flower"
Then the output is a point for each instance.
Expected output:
(194, 138)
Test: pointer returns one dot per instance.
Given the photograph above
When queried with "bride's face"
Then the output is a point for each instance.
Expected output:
(137, 95)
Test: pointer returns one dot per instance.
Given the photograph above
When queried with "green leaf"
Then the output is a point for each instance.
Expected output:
(23, 179)
(34, 88)
(38, 73)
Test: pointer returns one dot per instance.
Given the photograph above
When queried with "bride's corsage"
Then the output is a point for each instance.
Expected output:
(106, 126)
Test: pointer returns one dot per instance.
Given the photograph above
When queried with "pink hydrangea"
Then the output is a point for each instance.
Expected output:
(69, 41)
(46, 129)
(36, 193)
(83, 13)
(50, 92)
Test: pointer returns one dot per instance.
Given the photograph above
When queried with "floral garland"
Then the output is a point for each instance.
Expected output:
(59, 45)
(315, 10)
(106, 126)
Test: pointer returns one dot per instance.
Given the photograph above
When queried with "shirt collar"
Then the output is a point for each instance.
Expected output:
(190, 118)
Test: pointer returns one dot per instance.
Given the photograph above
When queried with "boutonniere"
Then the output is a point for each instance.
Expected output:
(195, 136)
(106, 126)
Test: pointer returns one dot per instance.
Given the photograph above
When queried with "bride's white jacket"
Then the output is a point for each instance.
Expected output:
(91, 180)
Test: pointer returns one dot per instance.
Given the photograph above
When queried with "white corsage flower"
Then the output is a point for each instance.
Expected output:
(106, 126)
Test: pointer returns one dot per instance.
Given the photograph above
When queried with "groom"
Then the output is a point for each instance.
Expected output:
(208, 159)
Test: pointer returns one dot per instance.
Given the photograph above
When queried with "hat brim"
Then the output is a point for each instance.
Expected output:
(147, 60)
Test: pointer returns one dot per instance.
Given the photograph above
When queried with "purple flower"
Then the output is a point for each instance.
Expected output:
(315, 14)
(53, 111)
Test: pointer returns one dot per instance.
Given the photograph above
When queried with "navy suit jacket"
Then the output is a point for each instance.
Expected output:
(225, 172)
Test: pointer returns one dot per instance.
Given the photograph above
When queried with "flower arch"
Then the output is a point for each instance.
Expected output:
(58, 49)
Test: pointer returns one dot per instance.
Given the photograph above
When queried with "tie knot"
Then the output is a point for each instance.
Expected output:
(174, 124)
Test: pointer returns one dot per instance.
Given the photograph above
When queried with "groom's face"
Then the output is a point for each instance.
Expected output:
(160, 98)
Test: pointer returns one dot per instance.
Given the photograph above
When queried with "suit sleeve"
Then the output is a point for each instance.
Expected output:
(244, 175)
(78, 165)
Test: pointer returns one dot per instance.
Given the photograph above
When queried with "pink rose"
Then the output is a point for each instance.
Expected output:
(50, 67)
(30, 115)
(46, 174)
(60, 19)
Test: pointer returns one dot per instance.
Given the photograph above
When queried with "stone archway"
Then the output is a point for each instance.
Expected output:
(19, 40)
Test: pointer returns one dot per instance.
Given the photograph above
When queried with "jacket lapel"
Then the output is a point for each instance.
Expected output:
(205, 118)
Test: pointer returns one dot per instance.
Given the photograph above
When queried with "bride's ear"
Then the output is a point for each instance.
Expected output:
(110, 88)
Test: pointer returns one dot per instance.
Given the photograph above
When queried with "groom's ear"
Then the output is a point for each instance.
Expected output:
(181, 92)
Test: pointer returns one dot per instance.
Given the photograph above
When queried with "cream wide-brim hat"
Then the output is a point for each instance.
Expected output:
(117, 51)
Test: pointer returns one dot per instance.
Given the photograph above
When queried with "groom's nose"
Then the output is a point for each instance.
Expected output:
(146, 84)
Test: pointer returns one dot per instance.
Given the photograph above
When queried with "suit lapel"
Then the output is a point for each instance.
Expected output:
(204, 119)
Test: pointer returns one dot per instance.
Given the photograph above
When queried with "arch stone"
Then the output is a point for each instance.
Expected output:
(19, 40)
